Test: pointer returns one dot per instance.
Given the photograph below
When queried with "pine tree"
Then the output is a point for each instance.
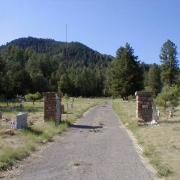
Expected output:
(154, 80)
(169, 62)
(125, 74)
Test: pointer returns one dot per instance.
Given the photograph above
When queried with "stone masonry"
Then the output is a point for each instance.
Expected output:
(52, 106)
(144, 102)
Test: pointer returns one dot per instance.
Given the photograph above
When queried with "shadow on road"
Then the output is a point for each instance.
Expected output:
(85, 126)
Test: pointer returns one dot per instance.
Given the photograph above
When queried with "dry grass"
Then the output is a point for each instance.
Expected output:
(161, 143)
(17, 144)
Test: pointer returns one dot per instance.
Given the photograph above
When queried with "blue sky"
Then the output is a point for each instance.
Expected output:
(103, 25)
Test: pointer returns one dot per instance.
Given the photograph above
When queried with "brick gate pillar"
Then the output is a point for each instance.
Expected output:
(52, 106)
(144, 102)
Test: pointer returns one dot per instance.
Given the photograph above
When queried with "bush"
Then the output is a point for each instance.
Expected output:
(169, 97)
(33, 97)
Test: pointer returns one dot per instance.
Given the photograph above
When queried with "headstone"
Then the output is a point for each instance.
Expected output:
(52, 106)
(158, 113)
(21, 120)
(144, 111)
(171, 114)
(155, 117)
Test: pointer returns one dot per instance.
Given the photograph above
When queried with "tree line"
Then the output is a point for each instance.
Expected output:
(30, 65)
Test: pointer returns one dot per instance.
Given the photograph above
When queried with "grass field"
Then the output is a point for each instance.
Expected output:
(17, 144)
(161, 144)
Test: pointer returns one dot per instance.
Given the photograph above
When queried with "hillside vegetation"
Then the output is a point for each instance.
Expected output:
(31, 64)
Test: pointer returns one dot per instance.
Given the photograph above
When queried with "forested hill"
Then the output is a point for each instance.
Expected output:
(75, 50)
(30, 65)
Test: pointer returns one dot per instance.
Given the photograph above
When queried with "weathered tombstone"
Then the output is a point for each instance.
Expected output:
(155, 117)
(171, 113)
(21, 120)
(52, 106)
(144, 110)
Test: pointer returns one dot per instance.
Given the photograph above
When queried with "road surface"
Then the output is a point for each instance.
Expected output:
(96, 147)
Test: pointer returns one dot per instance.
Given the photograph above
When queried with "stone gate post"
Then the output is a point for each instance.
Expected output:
(144, 110)
(52, 106)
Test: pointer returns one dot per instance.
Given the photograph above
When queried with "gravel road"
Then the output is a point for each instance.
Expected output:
(96, 147)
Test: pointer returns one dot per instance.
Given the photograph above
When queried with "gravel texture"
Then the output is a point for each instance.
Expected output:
(96, 147)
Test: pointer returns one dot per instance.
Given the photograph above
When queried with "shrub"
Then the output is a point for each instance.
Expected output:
(169, 97)
(33, 97)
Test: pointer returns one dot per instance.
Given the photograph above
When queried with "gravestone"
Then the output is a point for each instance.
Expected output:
(155, 112)
(21, 120)
(52, 106)
(144, 102)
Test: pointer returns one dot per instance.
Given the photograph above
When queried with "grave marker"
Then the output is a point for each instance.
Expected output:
(21, 120)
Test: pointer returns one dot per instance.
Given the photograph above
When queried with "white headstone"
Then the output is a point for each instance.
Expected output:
(155, 116)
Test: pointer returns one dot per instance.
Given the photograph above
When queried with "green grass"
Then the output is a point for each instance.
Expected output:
(160, 144)
(18, 145)
(30, 137)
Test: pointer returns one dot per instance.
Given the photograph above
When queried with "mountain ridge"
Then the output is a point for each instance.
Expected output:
(71, 50)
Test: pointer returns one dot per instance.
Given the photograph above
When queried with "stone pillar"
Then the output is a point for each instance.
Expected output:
(58, 109)
(144, 110)
(52, 106)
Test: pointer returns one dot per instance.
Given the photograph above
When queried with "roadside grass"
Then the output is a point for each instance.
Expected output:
(15, 145)
(161, 144)
(30, 138)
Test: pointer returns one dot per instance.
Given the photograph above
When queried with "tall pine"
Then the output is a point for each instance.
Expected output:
(154, 80)
(169, 62)
(125, 74)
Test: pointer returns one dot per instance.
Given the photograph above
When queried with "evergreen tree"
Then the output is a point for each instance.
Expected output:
(19, 82)
(65, 84)
(154, 80)
(40, 83)
(125, 74)
(169, 62)
(2, 66)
